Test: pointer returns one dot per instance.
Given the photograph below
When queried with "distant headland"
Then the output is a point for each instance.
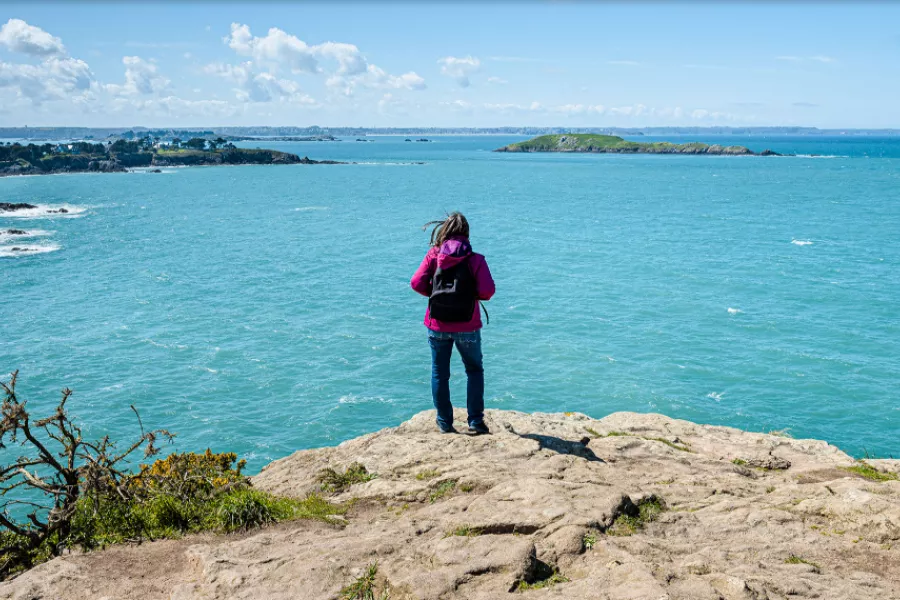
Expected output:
(611, 144)
(121, 155)
(327, 134)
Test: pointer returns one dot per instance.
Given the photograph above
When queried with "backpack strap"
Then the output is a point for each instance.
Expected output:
(480, 303)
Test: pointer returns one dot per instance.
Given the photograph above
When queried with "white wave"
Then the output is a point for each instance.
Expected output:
(308, 208)
(393, 164)
(734, 311)
(26, 250)
(354, 399)
(715, 395)
(801, 242)
(5, 236)
(819, 156)
(43, 211)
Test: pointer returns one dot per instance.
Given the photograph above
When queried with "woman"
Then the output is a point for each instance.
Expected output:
(454, 279)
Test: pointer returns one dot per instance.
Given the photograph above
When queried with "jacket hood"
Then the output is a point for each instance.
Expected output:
(453, 251)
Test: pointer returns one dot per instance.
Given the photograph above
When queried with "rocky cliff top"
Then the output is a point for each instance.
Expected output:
(631, 506)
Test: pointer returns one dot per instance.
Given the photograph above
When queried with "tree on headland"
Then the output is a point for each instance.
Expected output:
(196, 143)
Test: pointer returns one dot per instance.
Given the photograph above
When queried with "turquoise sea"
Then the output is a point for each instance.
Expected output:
(265, 309)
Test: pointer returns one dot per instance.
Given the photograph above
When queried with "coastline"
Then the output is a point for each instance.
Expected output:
(111, 162)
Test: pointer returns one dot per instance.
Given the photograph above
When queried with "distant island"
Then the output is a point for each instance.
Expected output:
(86, 157)
(594, 143)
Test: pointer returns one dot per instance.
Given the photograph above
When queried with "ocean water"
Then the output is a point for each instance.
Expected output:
(265, 309)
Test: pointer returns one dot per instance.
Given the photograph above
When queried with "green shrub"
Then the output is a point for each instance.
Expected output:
(243, 510)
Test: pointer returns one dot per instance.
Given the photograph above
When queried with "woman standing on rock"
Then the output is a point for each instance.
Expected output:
(454, 279)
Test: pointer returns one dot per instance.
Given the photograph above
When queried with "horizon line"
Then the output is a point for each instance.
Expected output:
(459, 127)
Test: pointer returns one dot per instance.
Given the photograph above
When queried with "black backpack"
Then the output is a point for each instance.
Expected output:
(453, 293)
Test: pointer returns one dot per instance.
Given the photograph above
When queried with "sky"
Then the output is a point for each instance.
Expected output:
(465, 64)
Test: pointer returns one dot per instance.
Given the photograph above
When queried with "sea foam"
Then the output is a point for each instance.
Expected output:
(20, 250)
(6, 237)
(801, 242)
(42, 211)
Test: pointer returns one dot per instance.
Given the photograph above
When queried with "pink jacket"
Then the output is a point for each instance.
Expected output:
(450, 253)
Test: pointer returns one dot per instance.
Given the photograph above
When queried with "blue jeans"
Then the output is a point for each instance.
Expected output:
(469, 346)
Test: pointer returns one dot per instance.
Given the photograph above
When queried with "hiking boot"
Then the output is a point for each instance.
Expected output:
(448, 429)
(479, 428)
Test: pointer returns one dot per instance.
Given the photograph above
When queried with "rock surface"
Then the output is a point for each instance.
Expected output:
(746, 516)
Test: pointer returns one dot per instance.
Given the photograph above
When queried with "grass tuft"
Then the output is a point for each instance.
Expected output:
(442, 490)
(545, 576)
(871, 473)
(427, 474)
(793, 559)
(625, 525)
(589, 540)
(363, 588)
(465, 531)
(334, 482)
(739, 462)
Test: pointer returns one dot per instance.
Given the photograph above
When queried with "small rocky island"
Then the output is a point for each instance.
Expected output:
(627, 507)
(122, 155)
(611, 144)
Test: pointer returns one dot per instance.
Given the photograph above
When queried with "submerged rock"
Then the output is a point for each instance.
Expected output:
(631, 506)
(16, 232)
(11, 206)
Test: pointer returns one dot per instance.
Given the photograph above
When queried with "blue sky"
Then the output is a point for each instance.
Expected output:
(463, 64)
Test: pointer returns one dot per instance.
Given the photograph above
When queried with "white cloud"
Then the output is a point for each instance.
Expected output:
(56, 77)
(259, 87)
(624, 63)
(346, 67)
(277, 48)
(459, 68)
(141, 78)
(19, 36)
(376, 78)
(824, 59)
(497, 80)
